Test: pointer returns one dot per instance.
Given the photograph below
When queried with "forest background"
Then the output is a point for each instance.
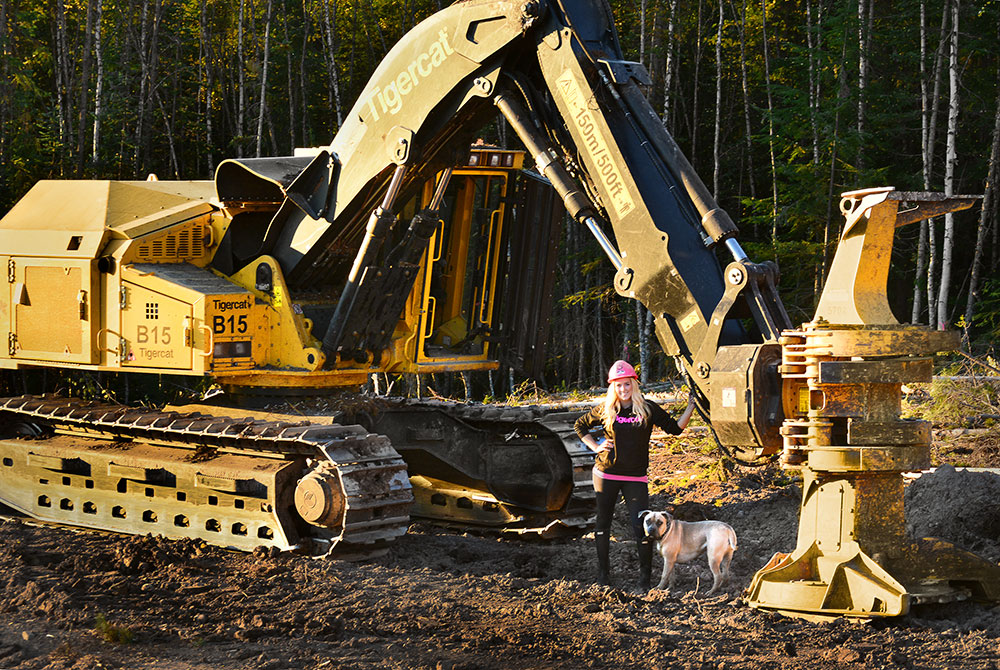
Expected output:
(781, 105)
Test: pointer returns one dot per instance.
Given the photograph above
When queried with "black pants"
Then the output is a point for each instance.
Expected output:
(608, 491)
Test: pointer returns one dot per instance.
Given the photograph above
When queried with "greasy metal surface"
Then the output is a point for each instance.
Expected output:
(745, 397)
(842, 376)
(133, 470)
(516, 469)
(844, 432)
(855, 292)
(527, 304)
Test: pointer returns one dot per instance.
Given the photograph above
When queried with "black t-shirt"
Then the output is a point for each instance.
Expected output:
(629, 455)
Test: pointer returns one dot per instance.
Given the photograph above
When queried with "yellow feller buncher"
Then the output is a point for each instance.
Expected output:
(396, 249)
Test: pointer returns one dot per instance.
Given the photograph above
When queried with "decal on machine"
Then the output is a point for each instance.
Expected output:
(594, 143)
(148, 339)
(389, 99)
(234, 324)
(231, 318)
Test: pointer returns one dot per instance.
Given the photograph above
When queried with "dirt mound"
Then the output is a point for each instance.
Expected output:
(961, 506)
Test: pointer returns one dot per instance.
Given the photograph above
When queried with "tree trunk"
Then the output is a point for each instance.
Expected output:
(668, 67)
(144, 65)
(241, 78)
(263, 78)
(168, 127)
(290, 83)
(932, 292)
(864, 34)
(947, 243)
(5, 93)
(81, 136)
(307, 134)
(330, 38)
(989, 198)
(842, 94)
(770, 125)
(98, 84)
(694, 88)
(924, 104)
(815, 47)
(599, 365)
(154, 64)
(746, 102)
(206, 82)
(63, 94)
(642, 31)
(813, 43)
(718, 106)
(642, 336)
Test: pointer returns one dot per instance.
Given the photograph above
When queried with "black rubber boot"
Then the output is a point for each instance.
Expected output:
(645, 549)
(602, 539)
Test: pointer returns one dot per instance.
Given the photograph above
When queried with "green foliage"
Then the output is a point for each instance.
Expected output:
(173, 106)
(987, 314)
(112, 633)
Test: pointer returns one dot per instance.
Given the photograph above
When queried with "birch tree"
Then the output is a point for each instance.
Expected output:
(62, 77)
(948, 242)
(642, 31)
(668, 67)
(99, 82)
(329, 53)
(864, 37)
(924, 279)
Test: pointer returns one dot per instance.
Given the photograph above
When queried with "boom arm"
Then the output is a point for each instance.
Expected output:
(555, 70)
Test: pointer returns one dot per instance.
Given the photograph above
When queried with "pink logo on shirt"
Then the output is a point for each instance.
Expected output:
(627, 419)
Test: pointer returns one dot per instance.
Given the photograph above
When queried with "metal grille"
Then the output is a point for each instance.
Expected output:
(176, 245)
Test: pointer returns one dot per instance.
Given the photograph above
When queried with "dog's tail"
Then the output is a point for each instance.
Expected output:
(732, 538)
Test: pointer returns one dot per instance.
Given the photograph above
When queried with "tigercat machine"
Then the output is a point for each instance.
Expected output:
(386, 251)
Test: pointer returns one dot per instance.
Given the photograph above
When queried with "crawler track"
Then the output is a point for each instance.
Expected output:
(239, 483)
(515, 470)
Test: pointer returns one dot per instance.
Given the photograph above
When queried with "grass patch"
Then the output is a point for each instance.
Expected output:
(112, 633)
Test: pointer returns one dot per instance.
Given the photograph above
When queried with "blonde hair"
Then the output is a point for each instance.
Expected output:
(612, 406)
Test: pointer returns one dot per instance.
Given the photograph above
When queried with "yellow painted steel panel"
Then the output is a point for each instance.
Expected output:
(156, 329)
(74, 219)
(53, 312)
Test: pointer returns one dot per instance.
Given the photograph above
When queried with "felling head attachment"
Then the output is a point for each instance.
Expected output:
(842, 376)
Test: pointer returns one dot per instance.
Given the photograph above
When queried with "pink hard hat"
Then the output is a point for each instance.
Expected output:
(621, 370)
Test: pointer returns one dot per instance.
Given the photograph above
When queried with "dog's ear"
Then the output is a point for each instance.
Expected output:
(643, 513)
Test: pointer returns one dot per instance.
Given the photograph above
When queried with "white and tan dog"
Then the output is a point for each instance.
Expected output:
(681, 541)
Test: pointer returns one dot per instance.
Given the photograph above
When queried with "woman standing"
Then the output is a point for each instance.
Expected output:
(622, 461)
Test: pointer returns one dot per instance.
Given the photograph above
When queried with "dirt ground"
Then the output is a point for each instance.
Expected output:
(442, 600)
